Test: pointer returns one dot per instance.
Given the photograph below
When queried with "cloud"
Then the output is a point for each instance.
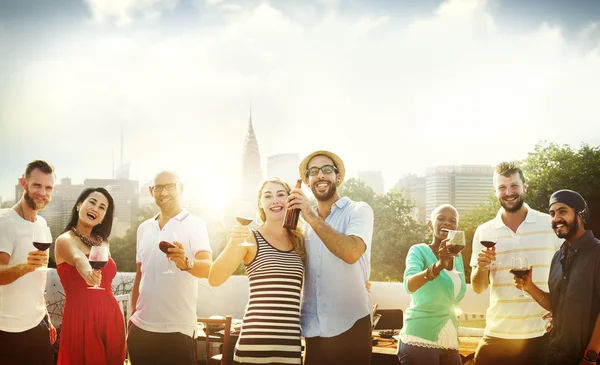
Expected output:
(455, 87)
(123, 11)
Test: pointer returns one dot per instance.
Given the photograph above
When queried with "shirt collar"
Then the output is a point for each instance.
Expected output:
(582, 241)
(341, 202)
(530, 218)
(180, 217)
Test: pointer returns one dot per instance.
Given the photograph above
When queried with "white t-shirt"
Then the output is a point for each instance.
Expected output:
(167, 302)
(22, 303)
(508, 316)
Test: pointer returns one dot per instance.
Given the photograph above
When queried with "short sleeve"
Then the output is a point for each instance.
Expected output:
(199, 241)
(8, 235)
(361, 223)
(138, 241)
(415, 263)
(476, 246)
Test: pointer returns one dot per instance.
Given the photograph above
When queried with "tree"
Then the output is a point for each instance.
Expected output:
(469, 222)
(122, 249)
(551, 167)
(395, 229)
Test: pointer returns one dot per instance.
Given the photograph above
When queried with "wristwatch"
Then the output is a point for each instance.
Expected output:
(590, 355)
(189, 264)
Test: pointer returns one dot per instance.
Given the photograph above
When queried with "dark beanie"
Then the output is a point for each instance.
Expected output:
(572, 199)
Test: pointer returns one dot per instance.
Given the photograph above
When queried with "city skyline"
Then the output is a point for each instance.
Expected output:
(390, 86)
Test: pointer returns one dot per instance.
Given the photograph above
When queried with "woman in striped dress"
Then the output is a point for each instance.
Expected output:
(274, 262)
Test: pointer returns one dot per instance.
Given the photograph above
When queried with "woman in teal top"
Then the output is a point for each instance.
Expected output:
(435, 279)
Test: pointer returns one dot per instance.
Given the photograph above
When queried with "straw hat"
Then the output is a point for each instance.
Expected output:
(337, 161)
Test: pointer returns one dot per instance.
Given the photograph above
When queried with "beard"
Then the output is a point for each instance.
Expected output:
(518, 204)
(571, 229)
(31, 203)
(326, 195)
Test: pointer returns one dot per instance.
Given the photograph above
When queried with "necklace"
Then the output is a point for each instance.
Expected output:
(93, 240)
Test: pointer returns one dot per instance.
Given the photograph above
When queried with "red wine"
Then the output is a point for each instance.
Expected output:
(98, 265)
(243, 221)
(42, 246)
(164, 246)
(488, 244)
(456, 249)
(519, 272)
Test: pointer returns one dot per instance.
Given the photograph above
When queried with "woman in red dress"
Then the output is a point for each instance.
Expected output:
(93, 331)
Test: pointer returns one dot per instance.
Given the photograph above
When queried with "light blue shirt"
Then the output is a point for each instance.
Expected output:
(334, 296)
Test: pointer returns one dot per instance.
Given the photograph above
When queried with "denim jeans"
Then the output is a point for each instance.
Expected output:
(417, 355)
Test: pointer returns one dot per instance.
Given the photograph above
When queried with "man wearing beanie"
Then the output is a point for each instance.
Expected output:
(336, 306)
(574, 283)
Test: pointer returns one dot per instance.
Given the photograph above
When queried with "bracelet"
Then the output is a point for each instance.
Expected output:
(542, 298)
(429, 274)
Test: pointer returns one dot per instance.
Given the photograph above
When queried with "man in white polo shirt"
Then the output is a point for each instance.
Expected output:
(26, 334)
(515, 330)
(164, 318)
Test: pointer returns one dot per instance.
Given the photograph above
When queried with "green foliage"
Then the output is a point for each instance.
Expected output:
(551, 167)
(469, 222)
(395, 229)
(122, 249)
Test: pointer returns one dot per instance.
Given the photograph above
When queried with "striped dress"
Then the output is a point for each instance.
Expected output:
(271, 326)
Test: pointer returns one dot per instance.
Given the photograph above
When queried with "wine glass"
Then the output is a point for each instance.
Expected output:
(489, 241)
(244, 221)
(520, 268)
(98, 259)
(166, 240)
(42, 239)
(457, 239)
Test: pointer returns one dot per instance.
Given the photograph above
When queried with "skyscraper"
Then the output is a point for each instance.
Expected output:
(413, 187)
(463, 186)
(251, 171)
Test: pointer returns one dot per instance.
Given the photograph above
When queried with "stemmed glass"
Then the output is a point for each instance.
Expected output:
(457, 239)
(520, 269)
(244, 221)
(490, 241)
(244, 217)
(98, 259)
(42, 239)
(166, 240)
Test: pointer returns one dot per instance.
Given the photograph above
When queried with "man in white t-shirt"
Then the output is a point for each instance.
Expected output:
(515, 331)
(26, 334)
(164, 315)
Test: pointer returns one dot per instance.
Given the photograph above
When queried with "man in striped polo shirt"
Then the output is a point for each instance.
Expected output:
(515, 331)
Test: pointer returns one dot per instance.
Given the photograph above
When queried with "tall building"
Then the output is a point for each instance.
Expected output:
(251, 171)
(463, 186)
(58, 212)
(372, 178)
(284, 166)
(413, 187)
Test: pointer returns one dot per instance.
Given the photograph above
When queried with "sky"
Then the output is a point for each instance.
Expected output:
(391, 85)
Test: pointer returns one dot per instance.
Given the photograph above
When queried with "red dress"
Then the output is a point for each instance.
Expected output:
(93, 331)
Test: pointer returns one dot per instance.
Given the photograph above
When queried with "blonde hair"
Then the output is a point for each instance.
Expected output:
(296, 235)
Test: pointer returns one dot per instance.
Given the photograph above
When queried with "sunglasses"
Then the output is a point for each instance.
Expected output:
(168, 187)
(327, 169)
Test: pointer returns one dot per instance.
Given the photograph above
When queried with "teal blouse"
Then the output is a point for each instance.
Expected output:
(433, 304)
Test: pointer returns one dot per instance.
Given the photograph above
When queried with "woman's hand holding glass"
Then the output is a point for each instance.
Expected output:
(445, 253)
(239, 236)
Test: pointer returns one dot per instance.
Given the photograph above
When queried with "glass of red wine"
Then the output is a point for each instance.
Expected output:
(244, 221)
(166, 240)
(42, 239)
(98, 259)
(520, 269)
(457, 241)
(489, 241)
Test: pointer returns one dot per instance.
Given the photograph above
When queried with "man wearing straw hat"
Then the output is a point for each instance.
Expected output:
(335, 303)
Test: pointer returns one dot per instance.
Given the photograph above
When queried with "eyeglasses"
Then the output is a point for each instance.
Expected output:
(327, 169)
(160, 188)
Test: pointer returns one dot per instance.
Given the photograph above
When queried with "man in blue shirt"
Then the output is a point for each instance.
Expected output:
(336, 307)
(574, 283)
